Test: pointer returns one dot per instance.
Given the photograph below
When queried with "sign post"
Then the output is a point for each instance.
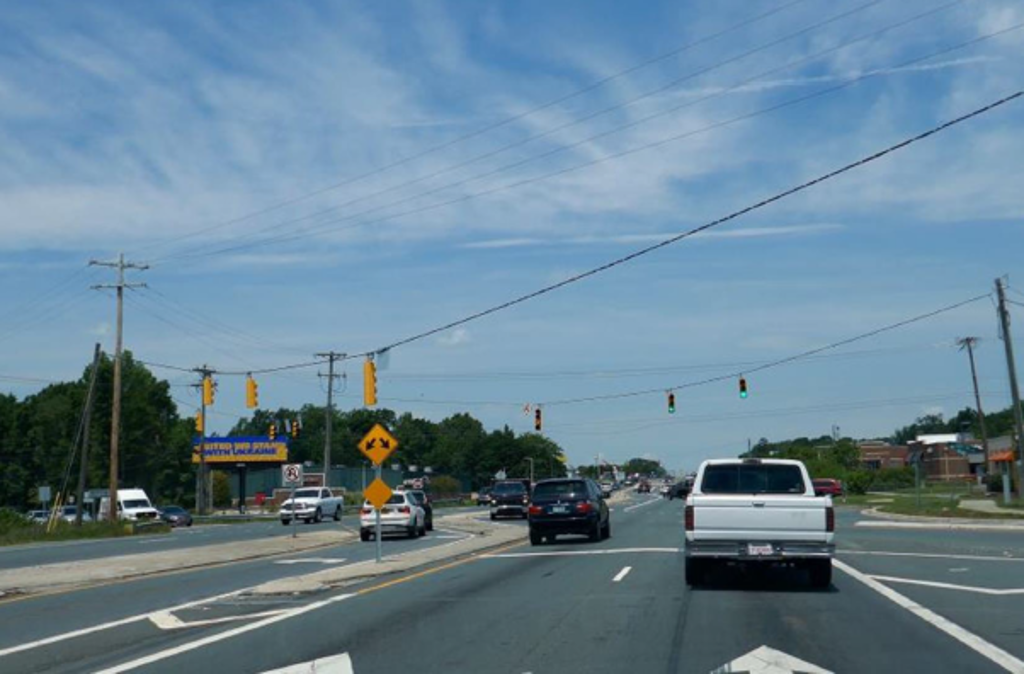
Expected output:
(377, 446)
(292, 477)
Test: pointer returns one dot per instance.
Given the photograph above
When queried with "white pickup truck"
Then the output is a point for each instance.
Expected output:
(312, 504)
(758, 511)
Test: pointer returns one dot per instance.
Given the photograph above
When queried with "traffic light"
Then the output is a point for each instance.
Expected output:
(537, 420)
(252, 393)
(671, 402)
(199, 421)
(272, 431)
(743, 387)
(369, 383)
(208, 390)
(296, 427)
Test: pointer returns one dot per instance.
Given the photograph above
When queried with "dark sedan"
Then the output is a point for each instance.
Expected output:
(423, 501)
(176, 516)
(568, 506)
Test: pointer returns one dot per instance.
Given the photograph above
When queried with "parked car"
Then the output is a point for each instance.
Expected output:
(69, 512)
(401, 514)
(423, 500)
(176, 516)
(132, 504)
(38, 516)
(758, 511)
(483, 497)
(509, 498)
(312, 504)
(568, 506)
(827, 486)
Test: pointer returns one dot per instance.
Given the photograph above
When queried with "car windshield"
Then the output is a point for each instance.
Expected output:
(136, 503)
(307, 493)
(510, 488)
(753, 479)
(173, 510)
(569, 488)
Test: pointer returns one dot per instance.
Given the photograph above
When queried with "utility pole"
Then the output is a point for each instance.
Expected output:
(968, 343)
(1004, 319)
(331, 356)
(115, 423)
(83, 466)
(202, 495)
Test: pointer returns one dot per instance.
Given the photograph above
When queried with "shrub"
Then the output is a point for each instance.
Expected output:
(994, 483)
(858, 481)
(221, 490)
(445, 485)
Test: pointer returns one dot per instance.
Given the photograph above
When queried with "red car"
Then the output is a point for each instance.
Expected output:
(826, 486)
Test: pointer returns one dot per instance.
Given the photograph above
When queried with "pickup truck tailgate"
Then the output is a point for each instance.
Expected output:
(760, 517)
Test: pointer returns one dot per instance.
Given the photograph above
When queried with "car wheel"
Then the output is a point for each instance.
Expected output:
(364, 535)
(318, 516)
(820, 571)
(411, 531)
(695, 571)
(607, 531)
(430, 524)
(337, 514)
(493, 517)
(286, 522)
(595, 531)
(536, 538)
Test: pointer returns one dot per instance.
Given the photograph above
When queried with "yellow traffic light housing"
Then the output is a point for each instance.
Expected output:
(208, 390)
(200, 426)
(538, 421)
(272, 431)
(296, 428)
(369, 383)
(252, 393)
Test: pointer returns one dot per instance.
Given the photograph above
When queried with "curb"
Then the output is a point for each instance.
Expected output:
(1016, 524)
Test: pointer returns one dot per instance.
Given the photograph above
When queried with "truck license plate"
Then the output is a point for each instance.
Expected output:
(759, 550)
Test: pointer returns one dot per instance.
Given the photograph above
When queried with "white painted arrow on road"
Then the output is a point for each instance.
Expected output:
(766, 660)
(337, 664)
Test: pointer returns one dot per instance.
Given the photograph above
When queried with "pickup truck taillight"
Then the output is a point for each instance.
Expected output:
(830, 519)
(688, 518)
(536, 510)
(584, 508)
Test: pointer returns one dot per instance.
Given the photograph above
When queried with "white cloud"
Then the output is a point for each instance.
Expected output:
(655, 237)
(456, 337)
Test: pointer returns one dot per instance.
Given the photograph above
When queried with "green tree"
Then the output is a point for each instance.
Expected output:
(644, 467)
(221, 489)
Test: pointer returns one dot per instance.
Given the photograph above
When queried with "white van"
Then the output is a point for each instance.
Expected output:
(132, 504)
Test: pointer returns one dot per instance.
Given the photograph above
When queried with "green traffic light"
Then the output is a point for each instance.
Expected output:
(743, 394)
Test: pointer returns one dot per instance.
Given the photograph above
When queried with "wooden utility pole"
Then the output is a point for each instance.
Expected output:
(202, 491)
(969, 343)
(115, 423)
(331, 356)
(1018, 422)
(83, 466)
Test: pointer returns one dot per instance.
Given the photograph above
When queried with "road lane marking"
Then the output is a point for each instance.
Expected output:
(948, 586)
(969, 639)
(312, 560)
(336, 664)
(166, 620)
(930, 555)
(766, 660)
(952, 526)
(105, 626)
(573, 553)
(641, 505)
(622, 574)
(221, 636)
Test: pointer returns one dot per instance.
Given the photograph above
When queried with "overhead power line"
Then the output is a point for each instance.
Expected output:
(331, 226)
(710, 225)
(772, 364)
(487, 128)
(660, 89)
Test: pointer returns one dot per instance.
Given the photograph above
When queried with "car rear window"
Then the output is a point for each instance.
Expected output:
(510, 488)
(545, 489)
(752, 479)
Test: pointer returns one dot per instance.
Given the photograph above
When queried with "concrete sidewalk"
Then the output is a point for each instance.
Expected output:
(49, 577)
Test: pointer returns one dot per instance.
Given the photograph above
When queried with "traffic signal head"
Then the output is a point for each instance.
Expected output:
(537, 420)
(199, 421)
(671, 403)
(743, 387)
(252, 393)
(208, 390)
(296, 428)
(272, 431)
(369, 383)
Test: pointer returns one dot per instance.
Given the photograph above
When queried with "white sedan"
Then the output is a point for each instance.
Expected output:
(400, 515)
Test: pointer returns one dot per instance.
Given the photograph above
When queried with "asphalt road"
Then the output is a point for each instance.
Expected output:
(15, 556)
(934, 601)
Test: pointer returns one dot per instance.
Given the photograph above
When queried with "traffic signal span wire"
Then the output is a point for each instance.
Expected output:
(485, 129)
(237, 373)
(774, 363)
(705, 227)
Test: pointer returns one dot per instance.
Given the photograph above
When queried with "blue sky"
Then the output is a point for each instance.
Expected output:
(238, 148)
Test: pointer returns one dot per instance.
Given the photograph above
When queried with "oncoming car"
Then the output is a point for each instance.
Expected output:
(509, 498)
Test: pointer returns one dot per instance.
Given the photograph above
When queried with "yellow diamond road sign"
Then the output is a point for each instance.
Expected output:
(377, 493)
(378, 444)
